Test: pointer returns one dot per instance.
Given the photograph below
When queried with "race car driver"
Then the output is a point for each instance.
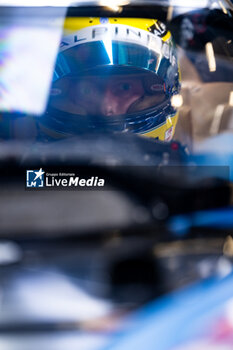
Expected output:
(113, 74)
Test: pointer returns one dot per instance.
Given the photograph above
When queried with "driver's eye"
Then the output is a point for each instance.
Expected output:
(125, 86)
(122, 88)
(85, 89)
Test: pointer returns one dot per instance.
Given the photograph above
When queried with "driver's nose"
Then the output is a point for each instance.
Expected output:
(110, 104)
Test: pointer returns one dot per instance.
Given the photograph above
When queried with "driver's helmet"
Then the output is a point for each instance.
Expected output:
(115, 74)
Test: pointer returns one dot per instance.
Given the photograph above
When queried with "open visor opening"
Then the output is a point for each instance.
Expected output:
(108, 92)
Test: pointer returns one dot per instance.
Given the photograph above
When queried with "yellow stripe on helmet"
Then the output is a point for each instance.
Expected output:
(73, 24)
(164, 132)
